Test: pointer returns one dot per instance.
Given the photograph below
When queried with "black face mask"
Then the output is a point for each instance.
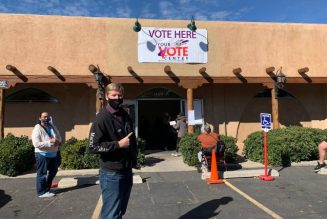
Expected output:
(46, 121)
(115, 103)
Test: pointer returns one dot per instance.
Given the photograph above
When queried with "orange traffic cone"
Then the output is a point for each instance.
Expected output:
(214, 176)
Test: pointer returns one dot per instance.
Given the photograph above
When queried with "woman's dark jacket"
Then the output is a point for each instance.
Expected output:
(105, 133)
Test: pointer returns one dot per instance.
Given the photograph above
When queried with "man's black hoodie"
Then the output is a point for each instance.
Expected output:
(106, 130)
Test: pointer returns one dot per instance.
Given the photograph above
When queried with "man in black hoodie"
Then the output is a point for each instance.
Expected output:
(112, 137)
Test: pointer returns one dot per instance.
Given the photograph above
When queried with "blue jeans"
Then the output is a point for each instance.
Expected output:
(46, 171)
(116, 189)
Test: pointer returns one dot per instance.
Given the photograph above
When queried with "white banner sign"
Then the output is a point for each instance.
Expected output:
(172, 45)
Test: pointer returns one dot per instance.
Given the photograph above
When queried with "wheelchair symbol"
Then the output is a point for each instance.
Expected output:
(265, 122)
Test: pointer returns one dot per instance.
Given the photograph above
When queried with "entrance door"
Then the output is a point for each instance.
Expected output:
(131, 107)
(154, 117)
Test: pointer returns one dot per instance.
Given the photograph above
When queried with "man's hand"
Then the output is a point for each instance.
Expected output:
(124, 142)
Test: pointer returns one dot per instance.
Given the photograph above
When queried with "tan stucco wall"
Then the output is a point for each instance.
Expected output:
(71, 44)
(232, 109)
(72, 115)
(74, 112)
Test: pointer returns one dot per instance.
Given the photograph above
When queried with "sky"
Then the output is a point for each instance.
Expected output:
(280, 11)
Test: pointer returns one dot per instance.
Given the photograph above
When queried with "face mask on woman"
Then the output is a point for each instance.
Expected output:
(46, 121)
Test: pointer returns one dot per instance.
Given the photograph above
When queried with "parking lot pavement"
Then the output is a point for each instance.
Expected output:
(297, 193)
(185, 195)
(18, 199)
(163, 195)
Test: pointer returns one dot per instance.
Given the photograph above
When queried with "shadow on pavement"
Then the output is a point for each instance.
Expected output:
(151, 161)
(87, 180)
(240, 159)
(207, 209)
(231, 167)
(58, 190)
(4, 199)
(78, 183)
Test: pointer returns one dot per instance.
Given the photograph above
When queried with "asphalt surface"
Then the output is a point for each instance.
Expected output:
(297, 193)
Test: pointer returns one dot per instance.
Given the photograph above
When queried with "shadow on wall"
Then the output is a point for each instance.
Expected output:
(291, 112)
(76, 106)
(237, 111)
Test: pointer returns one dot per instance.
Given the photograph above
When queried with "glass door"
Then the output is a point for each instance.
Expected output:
(132, 109)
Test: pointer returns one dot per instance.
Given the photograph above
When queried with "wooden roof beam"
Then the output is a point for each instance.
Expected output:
(237, 73)
(171, 74)
(303, 73)
(99, 76)
(56, 73)
(14, 70)
(134, 74)
(205, 75)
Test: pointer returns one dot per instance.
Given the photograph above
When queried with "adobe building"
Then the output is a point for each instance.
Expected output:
(49, 63)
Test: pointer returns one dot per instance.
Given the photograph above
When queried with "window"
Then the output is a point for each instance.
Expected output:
(282, 93)
(159, 93)
(30, 95)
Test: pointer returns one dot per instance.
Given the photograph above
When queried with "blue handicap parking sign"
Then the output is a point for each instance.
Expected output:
(265, 119)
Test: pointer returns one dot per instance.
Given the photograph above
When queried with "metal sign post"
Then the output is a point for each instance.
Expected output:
(265, 119)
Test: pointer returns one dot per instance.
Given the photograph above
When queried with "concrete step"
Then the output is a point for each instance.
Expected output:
(88, 180)
(323, 171)
(242, 173)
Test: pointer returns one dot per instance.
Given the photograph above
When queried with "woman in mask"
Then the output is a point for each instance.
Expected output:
(46, 141)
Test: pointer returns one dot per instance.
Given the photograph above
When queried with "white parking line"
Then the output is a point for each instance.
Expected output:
(259, 205)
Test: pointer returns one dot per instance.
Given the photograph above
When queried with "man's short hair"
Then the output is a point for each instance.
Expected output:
(115, 86)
